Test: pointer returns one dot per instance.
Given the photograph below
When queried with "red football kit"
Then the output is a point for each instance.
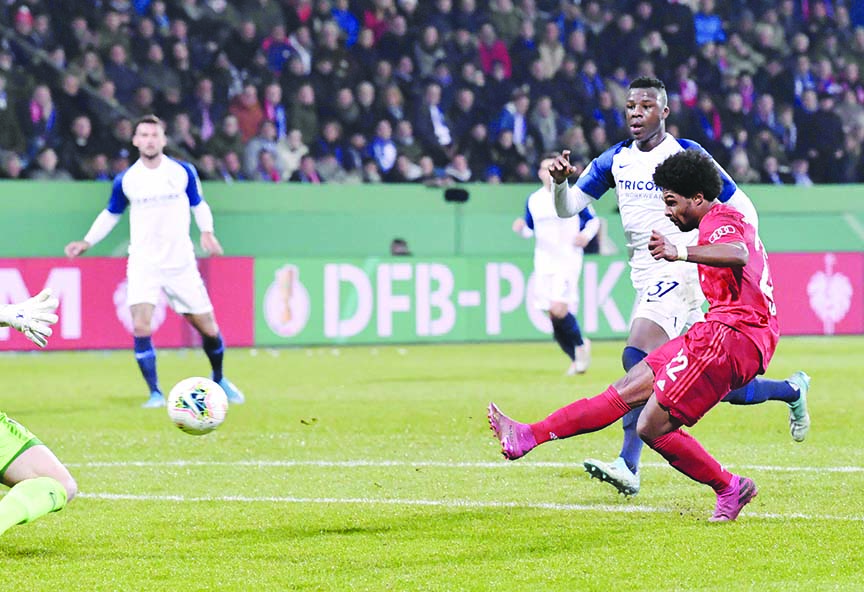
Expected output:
(693, 372)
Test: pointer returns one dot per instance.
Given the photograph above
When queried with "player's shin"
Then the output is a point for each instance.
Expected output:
(30, 499)
(631, 446)
(760, 390)
(145, 355)
(686, 454)
(215, 350)
(581, 417)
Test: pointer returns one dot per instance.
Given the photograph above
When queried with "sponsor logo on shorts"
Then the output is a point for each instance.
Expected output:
(720, 232)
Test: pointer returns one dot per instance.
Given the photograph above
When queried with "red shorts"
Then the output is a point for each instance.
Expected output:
(693, 372)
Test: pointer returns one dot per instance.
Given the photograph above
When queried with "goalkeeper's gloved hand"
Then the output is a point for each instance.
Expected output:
(32, 317)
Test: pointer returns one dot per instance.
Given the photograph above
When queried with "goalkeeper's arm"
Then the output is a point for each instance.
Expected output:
(32, 317)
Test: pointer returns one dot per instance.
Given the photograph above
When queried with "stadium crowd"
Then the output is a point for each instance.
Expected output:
(432, 92)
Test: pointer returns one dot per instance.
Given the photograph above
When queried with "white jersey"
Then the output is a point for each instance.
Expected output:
(630, 172)
(159, 200)
(554, 251)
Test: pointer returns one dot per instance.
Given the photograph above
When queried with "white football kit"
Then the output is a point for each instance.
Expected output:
(161, 254)
(667, 292)
(557, 261)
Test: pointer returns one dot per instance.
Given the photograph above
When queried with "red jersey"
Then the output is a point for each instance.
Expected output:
(741, 298)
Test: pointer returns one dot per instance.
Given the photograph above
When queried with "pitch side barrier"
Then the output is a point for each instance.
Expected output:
(314, 268)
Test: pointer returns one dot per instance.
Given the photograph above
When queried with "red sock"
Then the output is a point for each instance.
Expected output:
(685, 453)
(581, 417)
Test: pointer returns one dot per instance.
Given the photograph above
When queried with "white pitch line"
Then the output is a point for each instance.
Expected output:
(431, 464)
(605, 508)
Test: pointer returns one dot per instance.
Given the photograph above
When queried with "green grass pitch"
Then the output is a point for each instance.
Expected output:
(373, 469)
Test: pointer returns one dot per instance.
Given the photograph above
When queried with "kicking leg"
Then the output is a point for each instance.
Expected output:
(580, 417)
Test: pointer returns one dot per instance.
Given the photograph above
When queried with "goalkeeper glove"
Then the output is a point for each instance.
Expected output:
(32, 317)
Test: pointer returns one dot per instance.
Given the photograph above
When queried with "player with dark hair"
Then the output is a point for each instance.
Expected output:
(160, 193)
(683, 379)
(39, 483)
(668, 298)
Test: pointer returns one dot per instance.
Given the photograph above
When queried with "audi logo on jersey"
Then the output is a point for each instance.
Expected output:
(722, 231)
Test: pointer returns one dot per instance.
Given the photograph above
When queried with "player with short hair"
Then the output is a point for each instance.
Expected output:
(668, 298)
(558, 245)
(683, 379)
(160, 192)
(39, 483)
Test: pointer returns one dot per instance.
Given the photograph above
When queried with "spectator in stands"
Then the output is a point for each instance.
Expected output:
(289, 151)
(79, 148)
(461, 47)
(42, 122)
(505, 19)
(246, 108)
(550, 49)
(406, 143)
(346, 20)
(155, 72)
(11, 137)
(477, 149)
(524, 51)
(428, 51)
(493, 50)
(463, 113)
(800, 172)
(356, 153)
(431, 126)
(263, 13)
(264, 140)
(12, 168)
(230, 168)
(266, 168)
(506, 156)
(143, 102)
(370, 111)
(306, 172)
(122, 73)
(610, 117)
(182, 137)
(772, 174)
(45, 167)
(383, 148)
(740, 169)
(395, 109)
(708, 24)
(274, 110)
(226, 139)
(330, 142)
(458, 169)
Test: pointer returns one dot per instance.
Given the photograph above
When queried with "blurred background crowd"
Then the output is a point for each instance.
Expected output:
(435, 92)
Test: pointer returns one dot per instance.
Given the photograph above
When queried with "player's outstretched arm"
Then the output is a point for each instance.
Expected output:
(32, 317)
(569, 201)
(731, 254)
(102, 225)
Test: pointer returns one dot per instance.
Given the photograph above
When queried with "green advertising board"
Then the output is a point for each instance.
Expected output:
(401, 300)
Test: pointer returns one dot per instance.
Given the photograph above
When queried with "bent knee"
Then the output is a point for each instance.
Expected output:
(71, 486)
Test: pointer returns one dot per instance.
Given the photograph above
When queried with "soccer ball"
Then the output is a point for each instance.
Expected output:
(197, 405)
